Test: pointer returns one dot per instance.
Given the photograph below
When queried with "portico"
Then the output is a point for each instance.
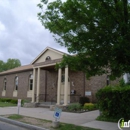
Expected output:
(36, 86)
(48, 63)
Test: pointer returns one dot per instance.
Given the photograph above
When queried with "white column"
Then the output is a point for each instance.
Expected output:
(66, 87)
(38, 84)
(59, 86)
(33, 91)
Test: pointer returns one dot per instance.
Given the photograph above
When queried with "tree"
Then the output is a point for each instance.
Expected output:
(1, 65)
(10, 64)
(97, 31)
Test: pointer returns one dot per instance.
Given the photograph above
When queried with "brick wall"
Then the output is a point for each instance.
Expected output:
(77, 82)
(91, 85)
(23, 84)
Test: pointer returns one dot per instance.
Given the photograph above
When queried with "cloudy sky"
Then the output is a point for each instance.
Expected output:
(21, 34)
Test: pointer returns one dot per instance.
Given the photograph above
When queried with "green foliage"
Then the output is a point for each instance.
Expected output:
(6, 104)
(10, 64)
(74, 107)
(64, 126)
(14, 101)
(97, 31)
(108, 119)
(15, 116)
(89, 106)
(83, 100)
(1, 65)
(5, 100)
(114, 102)
(122, 83)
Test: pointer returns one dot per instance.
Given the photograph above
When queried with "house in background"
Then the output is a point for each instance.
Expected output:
(41, 82)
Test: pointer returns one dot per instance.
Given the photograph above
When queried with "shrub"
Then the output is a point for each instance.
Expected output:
(114, 101)
(74, 107)
(83, 100)
(14, 101)
(89, 106)
(122, 83)
(5, 100)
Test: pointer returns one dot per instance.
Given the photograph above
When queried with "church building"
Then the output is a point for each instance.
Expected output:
(41, 82)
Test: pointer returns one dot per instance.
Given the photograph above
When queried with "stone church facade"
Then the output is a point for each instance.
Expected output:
(41, 82)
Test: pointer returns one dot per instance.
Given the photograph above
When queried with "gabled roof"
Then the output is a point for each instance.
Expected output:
(48, 48)
(18, 69)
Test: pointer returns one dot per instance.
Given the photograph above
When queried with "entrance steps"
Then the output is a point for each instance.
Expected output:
(40, 104)
(46, 104)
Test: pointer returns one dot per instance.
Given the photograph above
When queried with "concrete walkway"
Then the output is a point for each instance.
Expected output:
(86, 119)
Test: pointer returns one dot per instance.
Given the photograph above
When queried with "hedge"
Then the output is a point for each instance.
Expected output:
(114, 101)
(14, 101)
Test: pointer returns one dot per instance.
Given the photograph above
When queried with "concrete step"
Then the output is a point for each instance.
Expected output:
(44, 105)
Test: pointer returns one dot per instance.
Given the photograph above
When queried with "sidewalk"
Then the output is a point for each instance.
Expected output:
(84, 119)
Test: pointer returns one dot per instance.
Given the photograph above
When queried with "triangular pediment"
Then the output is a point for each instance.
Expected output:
(47, 53)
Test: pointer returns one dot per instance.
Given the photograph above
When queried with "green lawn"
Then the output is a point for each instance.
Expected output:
(63, 126)
(73, 127)
(6, 104)
(108, 119)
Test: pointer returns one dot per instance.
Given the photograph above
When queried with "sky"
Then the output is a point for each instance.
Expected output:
(22, 35)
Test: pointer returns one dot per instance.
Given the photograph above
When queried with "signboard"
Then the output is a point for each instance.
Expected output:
(19, 103)
(88, 93)
(57, 113)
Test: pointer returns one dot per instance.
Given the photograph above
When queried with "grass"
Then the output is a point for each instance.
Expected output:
(108, 119)
(7, 104)
(15, 117)
(63, 126)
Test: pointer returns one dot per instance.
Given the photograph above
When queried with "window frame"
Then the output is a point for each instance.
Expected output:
(16, 83)
(48, 58)
(30, 82)
(5, 84)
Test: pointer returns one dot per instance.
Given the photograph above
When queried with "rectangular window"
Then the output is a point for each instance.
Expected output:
(31, 84)
(5, 86)
(16, 83)
(16, 87)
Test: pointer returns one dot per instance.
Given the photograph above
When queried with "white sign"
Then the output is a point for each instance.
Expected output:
(88, 93)
(19, 103)
(57, 113)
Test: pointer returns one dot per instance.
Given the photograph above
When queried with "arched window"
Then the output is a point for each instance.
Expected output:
(16, 83)
(48, 58)
(31, 82)
(5, 82)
